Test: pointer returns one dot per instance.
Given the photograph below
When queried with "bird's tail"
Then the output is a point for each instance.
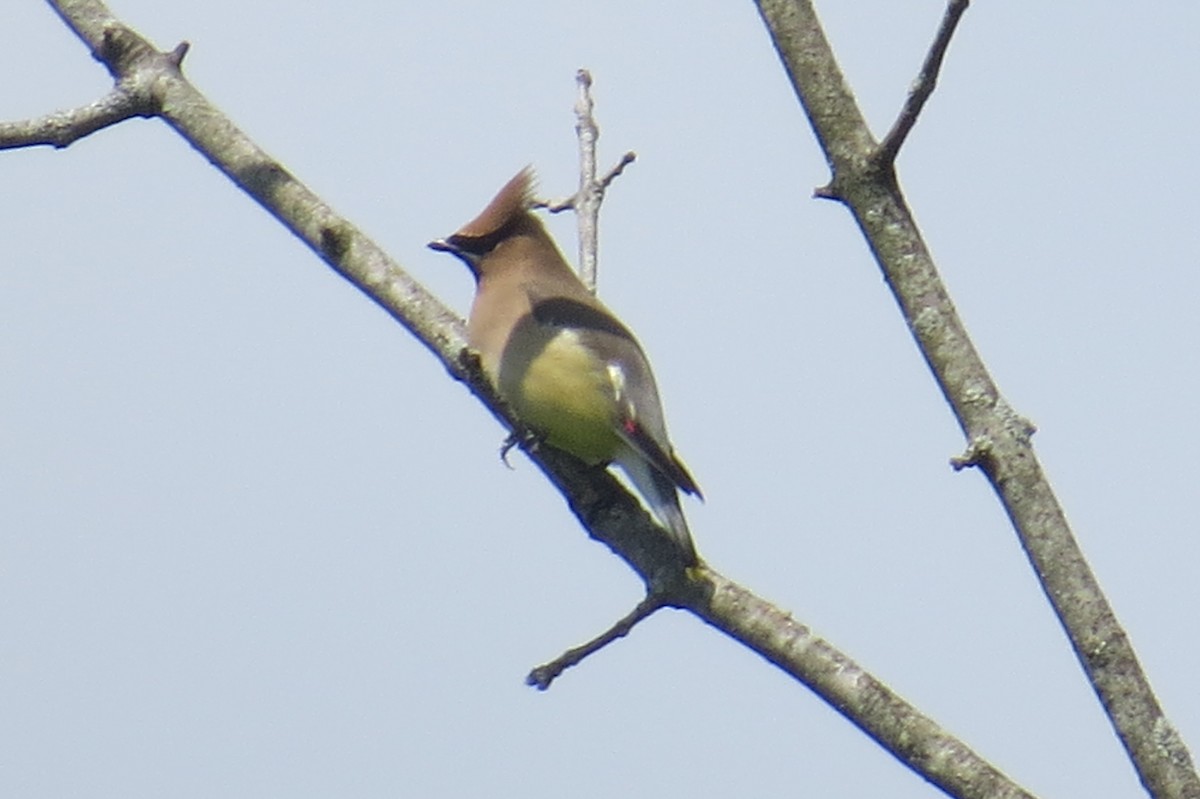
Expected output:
(661, 498)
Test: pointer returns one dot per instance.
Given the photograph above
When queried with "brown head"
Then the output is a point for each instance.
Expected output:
(506, 216)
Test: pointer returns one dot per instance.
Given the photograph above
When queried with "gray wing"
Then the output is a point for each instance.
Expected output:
(641, 423)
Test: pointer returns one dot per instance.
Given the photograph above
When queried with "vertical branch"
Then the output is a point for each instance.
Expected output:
(586, 201)
(587, 204)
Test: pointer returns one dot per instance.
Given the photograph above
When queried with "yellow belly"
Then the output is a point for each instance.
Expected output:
(565, 394)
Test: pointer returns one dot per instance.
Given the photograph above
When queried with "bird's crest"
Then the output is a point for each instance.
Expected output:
(510, 202)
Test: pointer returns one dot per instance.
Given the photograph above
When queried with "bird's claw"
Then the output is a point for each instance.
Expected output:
(526, 439)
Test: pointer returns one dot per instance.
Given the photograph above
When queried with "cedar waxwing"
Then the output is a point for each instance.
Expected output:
(568, 367)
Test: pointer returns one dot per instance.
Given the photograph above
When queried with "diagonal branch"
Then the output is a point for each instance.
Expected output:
(998, 438)
(924, 85)
(129, 98)
(65, 127)
(543, 675)
(609, 513)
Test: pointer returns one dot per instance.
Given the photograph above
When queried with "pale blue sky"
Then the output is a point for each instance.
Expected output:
(253, 542)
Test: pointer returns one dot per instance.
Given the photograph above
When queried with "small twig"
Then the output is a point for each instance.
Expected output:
(587, 199)
(627, 159)
(543, 675)
(979, 448)
(556, 206)
(176, 55)
(923, 87)
(133, 95)
(570, 203)
(66, 127)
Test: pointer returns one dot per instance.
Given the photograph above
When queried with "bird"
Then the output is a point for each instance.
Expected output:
(569, 368)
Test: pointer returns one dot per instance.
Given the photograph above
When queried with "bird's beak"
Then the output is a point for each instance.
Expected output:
(442, 245)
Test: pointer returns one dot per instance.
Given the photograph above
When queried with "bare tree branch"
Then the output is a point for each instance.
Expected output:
(614, 173)
(129, 98)
(587, 202)
(589, 196)
(543, 675)
(923, 86)
(998, 438)
(587, 199)
(609, 513)
(65, 127)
